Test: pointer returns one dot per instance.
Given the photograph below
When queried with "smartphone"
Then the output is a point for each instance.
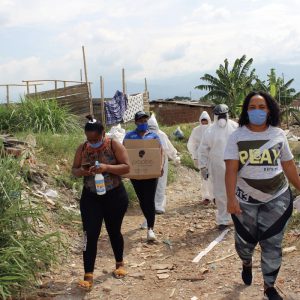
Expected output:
(86, 165)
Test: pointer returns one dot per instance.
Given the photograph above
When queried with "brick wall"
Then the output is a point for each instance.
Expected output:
(173, 113)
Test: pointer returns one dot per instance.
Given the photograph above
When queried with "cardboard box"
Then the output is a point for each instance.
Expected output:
(144, 158)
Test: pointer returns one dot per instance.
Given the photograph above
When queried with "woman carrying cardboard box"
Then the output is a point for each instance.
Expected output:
(145, 188)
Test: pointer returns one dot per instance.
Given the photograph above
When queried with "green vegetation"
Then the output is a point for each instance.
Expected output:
(180, 145)
(24, 250)
(278, 88)
(231, 86)
(37, 115)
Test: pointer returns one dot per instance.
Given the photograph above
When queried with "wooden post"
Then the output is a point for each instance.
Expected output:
(27, 84)
(7, 94)
(146, 85)
(86, 80)
(55, 84)
(81, 75)
(102, 101)
(123, 81)
(65, 84)
(35, 88)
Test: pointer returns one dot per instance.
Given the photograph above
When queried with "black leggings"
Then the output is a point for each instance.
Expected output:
(111, 207)
(145, 190)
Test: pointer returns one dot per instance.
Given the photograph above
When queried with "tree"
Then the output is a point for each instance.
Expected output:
(281, 91)
(278, 88)
(229, 86)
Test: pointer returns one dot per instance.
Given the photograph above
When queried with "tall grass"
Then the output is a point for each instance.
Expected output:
(24, 250)
(37, 115)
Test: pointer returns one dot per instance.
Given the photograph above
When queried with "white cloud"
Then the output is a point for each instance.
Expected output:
(158, 40)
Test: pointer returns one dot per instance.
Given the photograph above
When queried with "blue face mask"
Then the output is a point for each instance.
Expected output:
(96, 145)
(142, 127)
(257, 116)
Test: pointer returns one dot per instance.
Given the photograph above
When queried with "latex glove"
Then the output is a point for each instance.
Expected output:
(177, 160)
(204, 173)
(196, 163)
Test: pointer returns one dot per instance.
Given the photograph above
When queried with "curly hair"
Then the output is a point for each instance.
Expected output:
(274, 115)
(93, 125)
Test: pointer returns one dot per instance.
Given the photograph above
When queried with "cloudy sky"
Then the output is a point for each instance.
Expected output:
(171, 42)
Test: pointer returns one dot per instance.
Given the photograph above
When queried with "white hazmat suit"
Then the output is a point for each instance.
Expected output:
(211, 154)
(169, 153)
(193, 145)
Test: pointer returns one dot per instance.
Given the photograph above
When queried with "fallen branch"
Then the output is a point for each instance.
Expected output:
(281, 290)
(220, 259)
(192, 278)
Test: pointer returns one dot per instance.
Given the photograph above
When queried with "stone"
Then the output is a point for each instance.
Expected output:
(162, 266)
(163, 276)
(106, 288)
(137, 275)
(289, 249)
(204, 270)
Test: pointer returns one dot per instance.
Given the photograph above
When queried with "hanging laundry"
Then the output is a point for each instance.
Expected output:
(135, 104)
(115, 108)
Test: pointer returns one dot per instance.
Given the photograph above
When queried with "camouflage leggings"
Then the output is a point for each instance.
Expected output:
(264, 224)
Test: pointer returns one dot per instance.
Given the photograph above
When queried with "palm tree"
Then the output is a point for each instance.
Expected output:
(278, 88)
(280, 91)
(229, 86)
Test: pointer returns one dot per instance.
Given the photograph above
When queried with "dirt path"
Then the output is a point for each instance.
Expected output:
(183, 231)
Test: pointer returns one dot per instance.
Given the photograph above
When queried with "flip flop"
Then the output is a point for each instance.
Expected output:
(120, 272)
(87, 282)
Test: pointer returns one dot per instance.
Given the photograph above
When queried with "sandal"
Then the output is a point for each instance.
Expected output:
(87, 282)
(120, 271)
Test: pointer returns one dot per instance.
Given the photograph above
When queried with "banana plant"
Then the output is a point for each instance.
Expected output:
(229, 86)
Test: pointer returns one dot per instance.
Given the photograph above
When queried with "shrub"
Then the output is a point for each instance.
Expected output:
(37, 115)
(24, 250)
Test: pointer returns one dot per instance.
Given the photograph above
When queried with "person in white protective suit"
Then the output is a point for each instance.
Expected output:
(211, 159)
(193, 147)
(170, 153)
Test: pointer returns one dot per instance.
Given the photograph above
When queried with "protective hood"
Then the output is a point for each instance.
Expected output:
(216, 118)
(205, 116)
(152, 123)
(167, 146)
(197, 134)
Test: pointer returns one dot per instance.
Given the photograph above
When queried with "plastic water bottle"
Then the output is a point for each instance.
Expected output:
(99, 181)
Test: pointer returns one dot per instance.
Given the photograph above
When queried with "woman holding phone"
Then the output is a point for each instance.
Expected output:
(111, 206)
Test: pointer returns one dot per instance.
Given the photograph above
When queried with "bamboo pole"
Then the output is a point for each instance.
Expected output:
(86, 80)
(51, 80)
(7, 94)
(123, 81)
(19, 84)
(102, 101)
(27, 84)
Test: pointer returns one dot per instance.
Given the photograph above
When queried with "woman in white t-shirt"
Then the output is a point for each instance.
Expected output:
(259, 167)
